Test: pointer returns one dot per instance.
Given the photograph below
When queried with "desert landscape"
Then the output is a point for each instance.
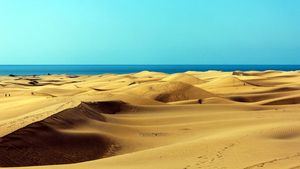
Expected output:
(151, 120)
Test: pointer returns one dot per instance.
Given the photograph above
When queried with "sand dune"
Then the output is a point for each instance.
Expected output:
(169, 91)
(229, 81)
(149, 74)
(283, 100)
(146, 120)
(57, 92)
(182, 77)
(59, 139)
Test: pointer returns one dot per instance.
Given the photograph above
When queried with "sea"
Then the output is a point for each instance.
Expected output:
(122, 69)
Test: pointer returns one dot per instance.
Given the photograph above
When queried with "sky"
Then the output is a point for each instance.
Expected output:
(149, 32)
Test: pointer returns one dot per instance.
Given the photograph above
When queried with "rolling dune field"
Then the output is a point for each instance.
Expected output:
(151, 120)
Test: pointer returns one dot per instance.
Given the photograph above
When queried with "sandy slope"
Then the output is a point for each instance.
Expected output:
(208, 120)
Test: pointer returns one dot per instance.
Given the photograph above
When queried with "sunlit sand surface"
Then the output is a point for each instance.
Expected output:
(152, 120)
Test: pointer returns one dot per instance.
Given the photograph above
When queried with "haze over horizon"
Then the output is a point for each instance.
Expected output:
(149, 32)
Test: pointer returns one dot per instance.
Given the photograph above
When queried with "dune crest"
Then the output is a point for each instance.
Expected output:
(59, 138)
(185, 78)
(170, 91)
(229, 81)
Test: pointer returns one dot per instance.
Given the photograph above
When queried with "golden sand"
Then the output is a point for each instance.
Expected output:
(152, 120)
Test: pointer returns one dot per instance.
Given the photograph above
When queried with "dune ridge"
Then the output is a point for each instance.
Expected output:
(169, 91)
(185, 78)
(53, 141)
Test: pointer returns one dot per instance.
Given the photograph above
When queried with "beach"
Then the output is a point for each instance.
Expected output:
(151, 120)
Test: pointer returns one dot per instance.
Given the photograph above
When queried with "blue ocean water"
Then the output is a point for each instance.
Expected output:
(120, 69)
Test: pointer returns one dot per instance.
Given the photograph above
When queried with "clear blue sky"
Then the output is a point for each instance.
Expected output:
(149, 32)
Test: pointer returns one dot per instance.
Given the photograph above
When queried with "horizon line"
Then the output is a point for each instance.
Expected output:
(149, 64)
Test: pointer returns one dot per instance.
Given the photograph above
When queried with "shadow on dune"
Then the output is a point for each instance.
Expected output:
(58, 140)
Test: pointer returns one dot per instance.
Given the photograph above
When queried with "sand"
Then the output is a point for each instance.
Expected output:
(151, 120)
